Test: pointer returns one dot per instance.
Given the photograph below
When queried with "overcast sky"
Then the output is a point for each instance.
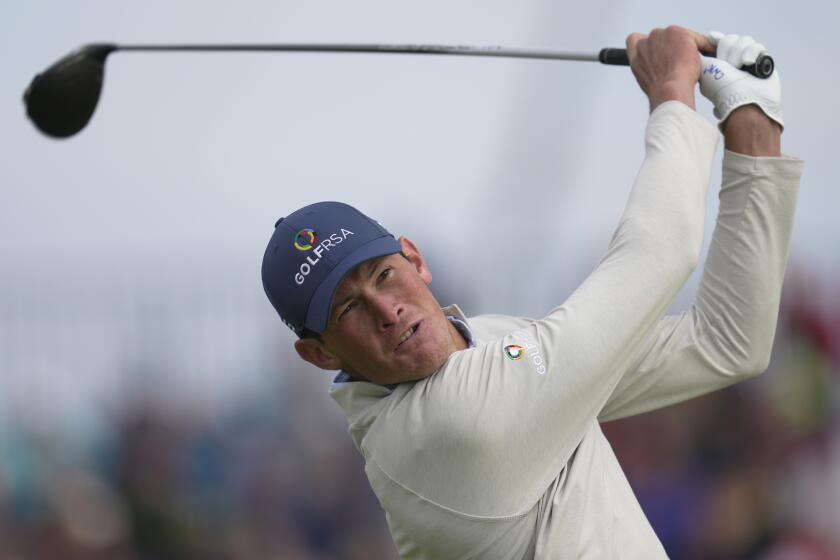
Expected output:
(511, 174)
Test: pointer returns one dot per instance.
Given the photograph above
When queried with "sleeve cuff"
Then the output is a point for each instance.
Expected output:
(787, 167)
(680, 110)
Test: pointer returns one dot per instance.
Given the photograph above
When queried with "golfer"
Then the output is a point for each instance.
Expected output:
(481, 437)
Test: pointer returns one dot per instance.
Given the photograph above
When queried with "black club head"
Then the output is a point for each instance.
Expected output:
(61, 100)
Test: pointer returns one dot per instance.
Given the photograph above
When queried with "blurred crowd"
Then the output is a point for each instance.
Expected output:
(749, 472)
(272, 479)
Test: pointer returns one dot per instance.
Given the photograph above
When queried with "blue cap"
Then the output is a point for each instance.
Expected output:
(310, 253)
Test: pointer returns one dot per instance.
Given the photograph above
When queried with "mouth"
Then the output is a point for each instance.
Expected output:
(408, 334)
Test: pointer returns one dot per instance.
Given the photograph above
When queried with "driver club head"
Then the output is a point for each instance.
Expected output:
(61, 99)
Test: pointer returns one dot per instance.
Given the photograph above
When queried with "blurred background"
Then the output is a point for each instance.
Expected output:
(151, 406)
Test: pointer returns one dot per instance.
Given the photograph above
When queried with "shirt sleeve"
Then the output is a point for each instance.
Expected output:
(498, 422)
(727, 335)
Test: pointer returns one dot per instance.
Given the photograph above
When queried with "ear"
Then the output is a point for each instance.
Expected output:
(412, 253)
(313, 351)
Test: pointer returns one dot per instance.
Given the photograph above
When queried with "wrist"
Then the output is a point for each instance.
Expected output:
(750, 132)
(672, 91)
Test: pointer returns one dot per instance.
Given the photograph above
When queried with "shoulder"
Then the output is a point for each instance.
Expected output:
(491, 327)
(446, 438)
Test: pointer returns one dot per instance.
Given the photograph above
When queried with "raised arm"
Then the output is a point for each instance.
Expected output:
(503, 419)
(727, 335)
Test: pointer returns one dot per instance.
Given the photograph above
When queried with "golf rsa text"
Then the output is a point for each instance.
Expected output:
(306, 267)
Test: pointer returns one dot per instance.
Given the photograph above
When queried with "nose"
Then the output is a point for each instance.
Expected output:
(386, 310)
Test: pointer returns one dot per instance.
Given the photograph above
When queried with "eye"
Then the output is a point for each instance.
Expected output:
(385, 273)
(347, 308)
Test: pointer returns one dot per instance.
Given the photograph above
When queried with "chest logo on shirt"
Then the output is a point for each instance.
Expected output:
(528, 348)
(514, 352)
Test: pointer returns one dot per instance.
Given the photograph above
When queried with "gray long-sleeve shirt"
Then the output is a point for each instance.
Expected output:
(499, 454)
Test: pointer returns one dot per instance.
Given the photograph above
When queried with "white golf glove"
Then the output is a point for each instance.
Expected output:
(727, 87)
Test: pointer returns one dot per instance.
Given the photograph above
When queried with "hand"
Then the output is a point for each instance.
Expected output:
(665, 63)
(727, 87)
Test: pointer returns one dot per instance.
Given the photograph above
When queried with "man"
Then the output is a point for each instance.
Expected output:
(481, 437)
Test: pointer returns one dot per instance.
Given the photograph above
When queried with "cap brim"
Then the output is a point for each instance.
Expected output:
(318, 316)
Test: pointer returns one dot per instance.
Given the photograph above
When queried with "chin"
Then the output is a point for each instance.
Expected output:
(428, 359)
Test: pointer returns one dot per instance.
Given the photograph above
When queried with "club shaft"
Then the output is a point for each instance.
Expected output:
(505, 52)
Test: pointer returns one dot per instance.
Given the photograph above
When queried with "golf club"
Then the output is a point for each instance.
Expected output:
(62, 99)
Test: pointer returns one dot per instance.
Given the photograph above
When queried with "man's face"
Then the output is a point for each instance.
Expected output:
(385, 325)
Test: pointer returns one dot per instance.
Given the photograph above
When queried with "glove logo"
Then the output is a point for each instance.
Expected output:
(305, 239)
(514, 352)
(714, 72)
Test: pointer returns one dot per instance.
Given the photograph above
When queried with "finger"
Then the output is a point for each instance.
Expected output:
(750, 55)
(714, 37)
(631, 45)
(737, 53)
(704, 44)
(724, 46)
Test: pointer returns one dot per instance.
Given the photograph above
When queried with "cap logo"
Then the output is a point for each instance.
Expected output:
(305, 239)
(514, 352)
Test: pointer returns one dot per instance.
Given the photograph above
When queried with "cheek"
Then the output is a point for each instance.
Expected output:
(355, 343)
(420, 296)
(436, 341)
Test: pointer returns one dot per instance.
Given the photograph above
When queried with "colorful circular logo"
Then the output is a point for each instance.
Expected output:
(514, 352)
(305, 239)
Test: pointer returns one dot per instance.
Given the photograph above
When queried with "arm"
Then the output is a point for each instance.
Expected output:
(508, 415)
(727, 335)
(749, 132)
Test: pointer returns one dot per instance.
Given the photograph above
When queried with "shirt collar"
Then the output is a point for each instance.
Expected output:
(355, 396)
(456, 317)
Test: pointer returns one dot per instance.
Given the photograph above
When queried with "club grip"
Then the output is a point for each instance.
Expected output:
(763, 67)
(617, 57)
